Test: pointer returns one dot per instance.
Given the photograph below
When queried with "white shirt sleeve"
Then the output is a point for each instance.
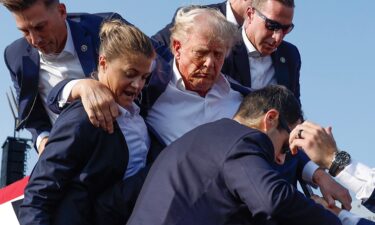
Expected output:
(308, 172)
(348, 218)
(40, 138)
(358, 178)
(64, 95)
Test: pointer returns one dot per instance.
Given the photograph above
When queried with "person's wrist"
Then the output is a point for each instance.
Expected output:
(330, 158)
(318, 175)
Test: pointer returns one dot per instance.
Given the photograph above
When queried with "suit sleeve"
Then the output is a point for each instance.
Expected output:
(65, 153)
(370, 202)
(250, 177)
(365, 222)
(38, 120)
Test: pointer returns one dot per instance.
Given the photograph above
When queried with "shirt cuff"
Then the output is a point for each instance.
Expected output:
(348, 218)
(64, 95)
(358, 178)
(308, 172)
(40, 138)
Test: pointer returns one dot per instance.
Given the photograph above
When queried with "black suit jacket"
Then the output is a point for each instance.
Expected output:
(79, 162)
(163, 35)
(286, 62)
(222, 173)
(23, 64)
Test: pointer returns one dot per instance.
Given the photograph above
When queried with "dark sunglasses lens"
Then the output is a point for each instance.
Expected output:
(271, 25)
(275, 26)
(288, 28)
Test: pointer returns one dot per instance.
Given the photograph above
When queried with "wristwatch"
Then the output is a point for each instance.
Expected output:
(339, 162)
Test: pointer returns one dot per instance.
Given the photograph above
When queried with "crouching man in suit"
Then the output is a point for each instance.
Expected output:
(224, 172)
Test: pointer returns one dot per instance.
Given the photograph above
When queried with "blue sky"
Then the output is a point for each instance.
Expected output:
(335, 39)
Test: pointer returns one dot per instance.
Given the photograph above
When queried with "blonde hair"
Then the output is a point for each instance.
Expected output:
(189, 17)
(118, 39)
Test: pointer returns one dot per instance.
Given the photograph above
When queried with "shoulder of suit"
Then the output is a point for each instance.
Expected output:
(289, 49)
(16, 50)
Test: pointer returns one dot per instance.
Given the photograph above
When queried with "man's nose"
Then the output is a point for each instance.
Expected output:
(278, 35)
(35, 38)
(280, 159)
(138, 83)
(209, 60)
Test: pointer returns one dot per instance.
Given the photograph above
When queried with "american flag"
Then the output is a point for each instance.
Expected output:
(11, 197)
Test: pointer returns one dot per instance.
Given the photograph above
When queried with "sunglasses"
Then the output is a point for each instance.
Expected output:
(273, 25)
(284, 125)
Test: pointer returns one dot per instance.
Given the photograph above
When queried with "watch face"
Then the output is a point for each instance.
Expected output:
(343, 159)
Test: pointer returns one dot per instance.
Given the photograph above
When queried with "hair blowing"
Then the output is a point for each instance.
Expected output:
(20, 5)
(208, 19)
(118, 39)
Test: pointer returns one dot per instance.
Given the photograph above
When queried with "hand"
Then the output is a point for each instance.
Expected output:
(332, 190)
(98, 102)
(319, 200)
(318, 143)
(42, 145)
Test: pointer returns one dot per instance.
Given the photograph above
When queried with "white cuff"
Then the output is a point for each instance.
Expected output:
(358, 178)
(64, 95)
(40, 138)
(348, 218)
(308, 172)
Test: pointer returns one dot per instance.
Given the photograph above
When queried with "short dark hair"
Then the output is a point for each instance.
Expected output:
(21, 5)
(278, 97)
(258, 4)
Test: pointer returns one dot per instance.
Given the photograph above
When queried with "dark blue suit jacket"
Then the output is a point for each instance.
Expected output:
(22, 61)
(222, 173)
(365, 222)
(286, 61)
(370, 202)
(287, 70)
(79, 162)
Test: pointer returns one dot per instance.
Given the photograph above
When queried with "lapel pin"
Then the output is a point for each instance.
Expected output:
(83, 48)
(282, 59)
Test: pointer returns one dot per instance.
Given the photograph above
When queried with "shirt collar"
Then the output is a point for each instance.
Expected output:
(69, 45)
(251, 50)
(68, 48)
(230, 15)
(129, 112)
(221, 83)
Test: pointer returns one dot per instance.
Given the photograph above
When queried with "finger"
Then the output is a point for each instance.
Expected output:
(347, 202)
(297, 143)
(330, 201)
(90, 112)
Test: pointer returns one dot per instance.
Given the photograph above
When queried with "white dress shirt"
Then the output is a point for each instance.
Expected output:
(178, 110)
(55, 68)
(262, 72)
(137, 139)
(230, 15)
(358, 178)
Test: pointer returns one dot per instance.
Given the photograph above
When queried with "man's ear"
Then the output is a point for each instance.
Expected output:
(62, 10)
(249, 14)
(270, 119)
(176, 45)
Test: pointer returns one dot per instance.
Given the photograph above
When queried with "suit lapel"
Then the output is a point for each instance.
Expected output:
(30, 80)
(86, 51)
(241, 63)
(281, 68)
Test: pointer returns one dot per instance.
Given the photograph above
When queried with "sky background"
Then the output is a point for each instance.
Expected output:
(336, 42)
